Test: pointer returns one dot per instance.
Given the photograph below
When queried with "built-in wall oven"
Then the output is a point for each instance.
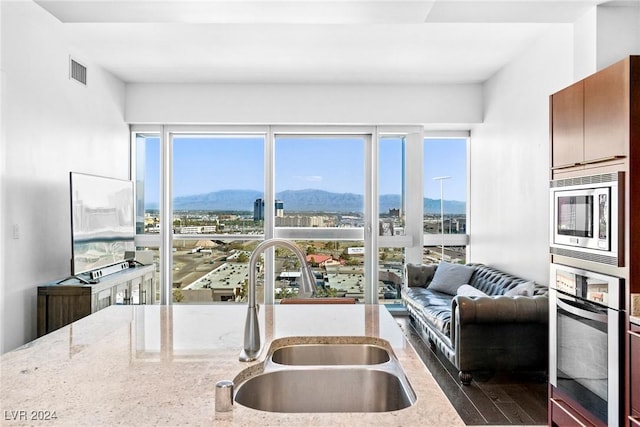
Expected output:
(586, 324)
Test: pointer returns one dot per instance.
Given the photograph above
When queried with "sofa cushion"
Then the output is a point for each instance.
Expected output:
(525, 289)
(470, 291)
(449, 277)
(419, 275)
(434, 307)
(436, 310)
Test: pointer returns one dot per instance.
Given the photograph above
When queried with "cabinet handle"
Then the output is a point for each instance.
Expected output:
(634, 334)
(635, 420)
(589, 162)
(602, 159)
(567, 166)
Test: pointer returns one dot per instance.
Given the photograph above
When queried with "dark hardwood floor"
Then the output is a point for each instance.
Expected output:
(490, 399)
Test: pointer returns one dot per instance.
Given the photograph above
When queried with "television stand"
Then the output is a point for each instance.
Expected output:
(65, 301)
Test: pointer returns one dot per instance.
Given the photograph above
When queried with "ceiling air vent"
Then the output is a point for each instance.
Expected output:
(77, 71)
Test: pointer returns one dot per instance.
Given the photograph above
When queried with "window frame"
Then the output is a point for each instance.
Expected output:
(413, 241)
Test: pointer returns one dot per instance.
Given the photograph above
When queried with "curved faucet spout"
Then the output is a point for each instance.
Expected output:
(307, 289)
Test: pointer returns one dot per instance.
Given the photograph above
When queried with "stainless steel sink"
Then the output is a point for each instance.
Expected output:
(326, 390)
(331, 354)
(318, 376)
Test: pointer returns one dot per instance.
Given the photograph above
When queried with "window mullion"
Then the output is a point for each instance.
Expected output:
(166, 218)
(371, 217)
(269, 215)
(414, 206)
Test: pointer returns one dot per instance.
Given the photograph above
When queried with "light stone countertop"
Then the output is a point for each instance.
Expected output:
(155, 365)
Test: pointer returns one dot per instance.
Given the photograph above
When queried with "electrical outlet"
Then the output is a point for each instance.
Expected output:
(635, 304)
(16, 231)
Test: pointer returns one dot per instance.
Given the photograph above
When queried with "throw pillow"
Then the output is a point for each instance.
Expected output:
(449, 277)
(419, 275)
(470, 291)
(524, 289)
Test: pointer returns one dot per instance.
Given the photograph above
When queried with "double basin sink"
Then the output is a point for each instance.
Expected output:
(358, 375)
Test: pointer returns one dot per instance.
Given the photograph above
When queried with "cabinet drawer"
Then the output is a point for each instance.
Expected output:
(564, 415)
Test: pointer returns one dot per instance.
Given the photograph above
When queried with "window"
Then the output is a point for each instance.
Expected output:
(147, 157)
(445, 195)
(218, 180)
(343, 197)
(391, 188)
(319, 181)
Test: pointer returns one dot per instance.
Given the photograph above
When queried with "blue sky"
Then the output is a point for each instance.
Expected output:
(203, 165)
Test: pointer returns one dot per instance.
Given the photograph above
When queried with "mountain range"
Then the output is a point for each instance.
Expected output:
(302, 201)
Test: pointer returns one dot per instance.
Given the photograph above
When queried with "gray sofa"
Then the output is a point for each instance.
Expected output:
(495, 332)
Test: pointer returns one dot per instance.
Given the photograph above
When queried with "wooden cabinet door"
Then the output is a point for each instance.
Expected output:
(606, 112)
(60, 305)
(567, 126)
(634, 374)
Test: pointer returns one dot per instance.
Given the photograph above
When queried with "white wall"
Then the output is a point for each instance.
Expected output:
(303, 104)
(508, 222)
(618, 30)
(50, 126)
(603, 36)
(585, 55)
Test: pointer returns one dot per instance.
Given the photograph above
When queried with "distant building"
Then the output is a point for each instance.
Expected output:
(258, 209)
(300, 221)
(279, 208)
(318, 260)
(394, 213)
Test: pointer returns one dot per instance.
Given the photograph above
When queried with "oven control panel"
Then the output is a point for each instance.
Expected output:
(587, 285)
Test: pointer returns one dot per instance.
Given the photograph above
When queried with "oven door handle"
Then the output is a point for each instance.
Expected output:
(582, 313)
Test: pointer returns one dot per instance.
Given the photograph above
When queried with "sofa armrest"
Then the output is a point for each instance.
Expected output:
(500, 333)
(499, 309)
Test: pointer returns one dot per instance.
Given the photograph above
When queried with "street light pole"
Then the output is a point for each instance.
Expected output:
(441, 178)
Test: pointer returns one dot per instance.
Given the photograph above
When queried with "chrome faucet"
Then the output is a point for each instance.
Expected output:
(306, 290)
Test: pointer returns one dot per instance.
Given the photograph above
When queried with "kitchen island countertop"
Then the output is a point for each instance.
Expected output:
(158, 365)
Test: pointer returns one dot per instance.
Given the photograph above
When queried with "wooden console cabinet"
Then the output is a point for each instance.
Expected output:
(62, 303)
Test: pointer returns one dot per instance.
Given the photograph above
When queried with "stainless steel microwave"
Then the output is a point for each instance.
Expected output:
(585, 220)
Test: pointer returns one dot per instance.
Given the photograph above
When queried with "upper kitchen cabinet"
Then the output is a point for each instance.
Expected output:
(591, 120)
(567, 125)
(606, 113)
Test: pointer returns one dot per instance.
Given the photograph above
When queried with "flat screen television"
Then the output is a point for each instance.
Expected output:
(102, 221)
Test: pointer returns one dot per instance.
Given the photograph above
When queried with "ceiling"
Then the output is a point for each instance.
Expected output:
(307, 41)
